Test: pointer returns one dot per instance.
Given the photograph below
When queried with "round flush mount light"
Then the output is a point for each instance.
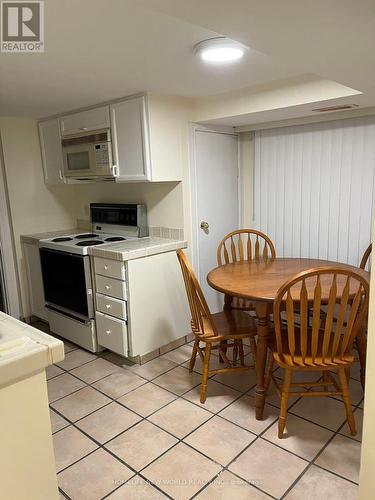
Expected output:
(219, 50)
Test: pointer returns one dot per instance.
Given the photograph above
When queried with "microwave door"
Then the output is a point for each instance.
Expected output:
(78, 160)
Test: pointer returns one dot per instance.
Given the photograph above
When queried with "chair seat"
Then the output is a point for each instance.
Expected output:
(285, 359)
(233, 323)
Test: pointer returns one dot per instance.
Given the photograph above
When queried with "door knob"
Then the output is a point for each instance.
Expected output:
(204, 225)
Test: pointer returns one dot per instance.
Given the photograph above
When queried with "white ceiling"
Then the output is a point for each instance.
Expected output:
(97, 50)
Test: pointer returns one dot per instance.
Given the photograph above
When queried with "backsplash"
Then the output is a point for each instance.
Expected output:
(172, 233)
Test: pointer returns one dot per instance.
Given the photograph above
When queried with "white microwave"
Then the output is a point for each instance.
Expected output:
(88, 155)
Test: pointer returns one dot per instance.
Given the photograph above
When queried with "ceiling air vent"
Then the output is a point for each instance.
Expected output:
(341, 107)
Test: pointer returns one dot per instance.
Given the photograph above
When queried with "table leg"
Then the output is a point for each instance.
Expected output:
(227, 306)
(262, 312)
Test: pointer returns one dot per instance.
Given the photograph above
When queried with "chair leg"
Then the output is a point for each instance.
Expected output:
(193, 355)
(361, 344)
(269, 370)
(284, 401)
(241, 352)
(206, 364)
(325, 379)
(253, 348)
(347, 403)
(223, 347)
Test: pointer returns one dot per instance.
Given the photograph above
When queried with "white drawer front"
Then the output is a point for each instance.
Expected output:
(111, 268)
(111, 306)
(112, 333)
(110, 286)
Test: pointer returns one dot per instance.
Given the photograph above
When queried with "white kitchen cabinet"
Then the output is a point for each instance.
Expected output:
(158, 312)
(52, 157)
(35, 280)
(130, 142)
(149, 138)
(91, 119)
(155, 313)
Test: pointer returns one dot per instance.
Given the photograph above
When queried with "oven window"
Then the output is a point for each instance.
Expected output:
(78, 161)
(64, 280)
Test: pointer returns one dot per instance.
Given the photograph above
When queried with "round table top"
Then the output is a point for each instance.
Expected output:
(262, 280)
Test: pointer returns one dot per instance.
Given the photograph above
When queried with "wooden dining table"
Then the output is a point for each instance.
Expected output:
(259, 281)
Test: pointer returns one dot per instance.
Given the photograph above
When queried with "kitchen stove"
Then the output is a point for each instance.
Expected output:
(80, 243)
(66, 269)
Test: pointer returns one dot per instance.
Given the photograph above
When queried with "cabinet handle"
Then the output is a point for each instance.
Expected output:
(107, 287)
(83, 128)
(61, 175)
(106, 268)
(108, 306)
(108, 332)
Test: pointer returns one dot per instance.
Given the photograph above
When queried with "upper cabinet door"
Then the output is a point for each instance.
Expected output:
(52, 157)
(92, 119)
(130, 141)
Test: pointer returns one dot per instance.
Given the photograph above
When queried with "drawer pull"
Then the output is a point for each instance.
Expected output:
(108, 332)
(106, 268)
(107, 287)
(108, 306)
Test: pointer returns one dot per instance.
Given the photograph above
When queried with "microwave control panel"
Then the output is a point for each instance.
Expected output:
(102, 154)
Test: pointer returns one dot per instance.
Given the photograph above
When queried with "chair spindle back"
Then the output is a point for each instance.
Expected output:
(201, 319)
(330, 342)
(245, 244)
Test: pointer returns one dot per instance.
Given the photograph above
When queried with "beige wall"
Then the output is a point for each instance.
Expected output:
(163, 200)
(34, 206)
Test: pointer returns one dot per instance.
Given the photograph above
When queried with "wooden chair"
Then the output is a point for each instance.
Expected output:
(327, 349)
(211, 330)
(361, 339)
(240, 245)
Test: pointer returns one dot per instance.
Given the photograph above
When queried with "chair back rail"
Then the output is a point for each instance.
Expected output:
(201, 319)
(330, 342)
(245, 244)
(365, 257)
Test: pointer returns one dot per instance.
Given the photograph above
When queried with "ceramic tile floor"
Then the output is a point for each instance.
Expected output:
(128, 432)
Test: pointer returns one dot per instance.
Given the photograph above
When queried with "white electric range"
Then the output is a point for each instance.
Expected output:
(67, 273)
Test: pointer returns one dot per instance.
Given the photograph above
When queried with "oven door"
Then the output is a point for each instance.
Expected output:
(67, 283)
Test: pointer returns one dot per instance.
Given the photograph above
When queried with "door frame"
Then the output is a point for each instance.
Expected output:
(8, 250)
(196, 127)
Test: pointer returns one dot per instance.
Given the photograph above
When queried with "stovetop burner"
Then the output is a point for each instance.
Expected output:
(115, 238)
(86, 235)
(89, 243)
(62, 238)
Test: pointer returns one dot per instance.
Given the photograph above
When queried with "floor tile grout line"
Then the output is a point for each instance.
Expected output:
(242, 393)
(313, 462)
(179, 440)
(102, 446)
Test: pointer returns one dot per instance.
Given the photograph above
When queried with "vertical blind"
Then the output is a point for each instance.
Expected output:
(314, 188)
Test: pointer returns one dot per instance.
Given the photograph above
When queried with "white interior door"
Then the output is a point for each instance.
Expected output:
(217, 203)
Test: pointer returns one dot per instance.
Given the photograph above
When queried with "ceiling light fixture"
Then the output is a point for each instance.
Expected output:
(220, 50)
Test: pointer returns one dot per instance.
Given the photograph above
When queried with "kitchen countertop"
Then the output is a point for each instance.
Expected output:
(134, 249)
(24, 350)
(35, 238)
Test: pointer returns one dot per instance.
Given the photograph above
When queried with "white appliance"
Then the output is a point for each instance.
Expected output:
(88, 155)
(66, 269)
